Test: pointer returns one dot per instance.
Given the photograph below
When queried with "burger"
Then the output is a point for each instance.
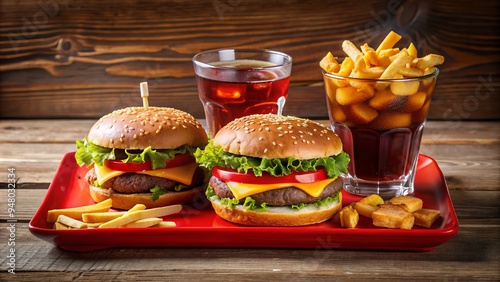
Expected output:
(272, 170)
(141, 155)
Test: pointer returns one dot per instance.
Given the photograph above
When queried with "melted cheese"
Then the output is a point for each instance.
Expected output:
(242, 190)
(183, 174)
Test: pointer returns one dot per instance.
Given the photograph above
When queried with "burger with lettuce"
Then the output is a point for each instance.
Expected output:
(272, 170)
(141, 155)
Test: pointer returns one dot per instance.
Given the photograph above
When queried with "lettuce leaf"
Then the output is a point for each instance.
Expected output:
(88, 153)
(213, 155)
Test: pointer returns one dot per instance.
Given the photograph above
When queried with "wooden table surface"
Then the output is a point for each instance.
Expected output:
(467, 152)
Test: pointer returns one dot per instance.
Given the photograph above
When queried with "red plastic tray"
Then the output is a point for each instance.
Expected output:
(199, 226)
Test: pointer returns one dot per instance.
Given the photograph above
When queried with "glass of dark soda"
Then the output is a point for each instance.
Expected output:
(237, 82)
(380, 123)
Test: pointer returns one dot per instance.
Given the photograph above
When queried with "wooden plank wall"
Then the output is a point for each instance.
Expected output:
(82, 59)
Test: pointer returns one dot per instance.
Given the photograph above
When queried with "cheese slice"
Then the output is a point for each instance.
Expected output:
(183, 174)
(242, 190)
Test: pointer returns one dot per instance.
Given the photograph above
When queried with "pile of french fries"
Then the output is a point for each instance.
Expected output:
(358, 95)
(99, 216)
(402, 212)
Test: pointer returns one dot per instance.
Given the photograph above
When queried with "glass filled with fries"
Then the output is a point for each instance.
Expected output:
(378, 101)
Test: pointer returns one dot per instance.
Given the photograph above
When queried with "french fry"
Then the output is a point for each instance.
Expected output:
(350, 95)
(409, 203)
(411, 72)
(346, 67)
(71, 222)
(60, 226)
(137, 207)
(412, 50)
(329, 63)
(393, 216)
(415, 102)
(141, 214)
(384, 100)
(349, 217)
(351, 50)
(107, 216)
(76, 212)
(426, 217)
(361, 113)
(101, 216)
(404, 88)
(365, 209)
(166, 224)
(146, 222)
(369, 55)
(400, 62)
(373, 72)
(389, 41)
(429, 61)
(427, 71)
(373, 200)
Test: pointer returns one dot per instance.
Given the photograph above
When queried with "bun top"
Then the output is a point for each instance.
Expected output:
(274, 136)
(139, 128)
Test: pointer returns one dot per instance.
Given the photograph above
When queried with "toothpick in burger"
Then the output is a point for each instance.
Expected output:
(143, 155)
(272, 170)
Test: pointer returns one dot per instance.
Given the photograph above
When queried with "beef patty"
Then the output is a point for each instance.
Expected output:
(130, 183)
(279, 197)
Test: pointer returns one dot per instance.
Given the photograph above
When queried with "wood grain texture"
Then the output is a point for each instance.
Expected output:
(82, 59)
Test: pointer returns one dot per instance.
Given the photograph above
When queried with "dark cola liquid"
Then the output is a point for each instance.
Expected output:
(229, 94)
(382, 161)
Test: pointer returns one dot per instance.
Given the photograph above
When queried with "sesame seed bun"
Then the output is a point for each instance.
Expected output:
(277, 216)
(274, 136)
(278, 137)
(139, 128)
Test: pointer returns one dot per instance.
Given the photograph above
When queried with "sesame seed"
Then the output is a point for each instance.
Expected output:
(121, 140)
(174, 127)
(265, 150)
(274, 143)
(280, 135)
(261, 138)
(327, 138)
(122, 135)
(157, 131)
(281, 145)
(295, 142)
(135, 136)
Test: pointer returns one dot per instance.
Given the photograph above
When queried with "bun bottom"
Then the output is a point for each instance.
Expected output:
(127, 201)
(277, 216)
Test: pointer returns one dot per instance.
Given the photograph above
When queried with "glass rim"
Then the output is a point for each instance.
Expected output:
(416, 78)
(288, 60)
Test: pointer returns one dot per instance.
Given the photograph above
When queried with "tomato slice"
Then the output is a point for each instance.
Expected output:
(229, 175)
(179, 160)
